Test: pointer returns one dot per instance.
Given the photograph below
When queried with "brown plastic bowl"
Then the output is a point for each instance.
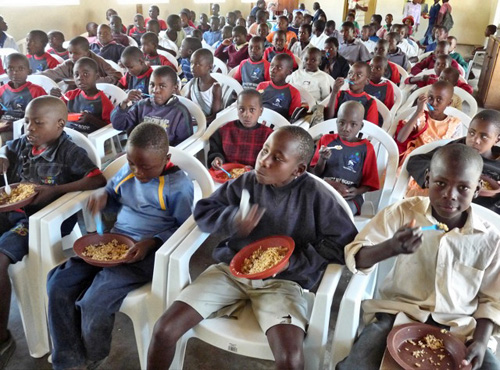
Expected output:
(402, 351)
(12, 206)
(86, 240)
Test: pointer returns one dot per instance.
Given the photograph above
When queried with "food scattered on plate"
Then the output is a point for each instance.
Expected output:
(263, 259)
(18, 194)
(111, 251)
(237, 172)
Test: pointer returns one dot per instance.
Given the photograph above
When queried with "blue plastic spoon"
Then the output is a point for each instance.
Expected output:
(98, 224)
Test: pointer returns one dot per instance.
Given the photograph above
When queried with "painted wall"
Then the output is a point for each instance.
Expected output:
(71, 20)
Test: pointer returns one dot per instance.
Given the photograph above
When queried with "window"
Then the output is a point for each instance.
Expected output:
(32, 3)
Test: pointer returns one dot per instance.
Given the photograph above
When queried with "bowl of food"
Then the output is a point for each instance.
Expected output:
(21, 195)
(104, 250)
(235, 169)
(72, 117)
(262, 258)
(422, 346)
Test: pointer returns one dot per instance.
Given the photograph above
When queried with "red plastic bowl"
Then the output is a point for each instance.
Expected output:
(265, 243)
(86, 240)
(12, 206)
(72, 117)
(221, 177)
(402, 351)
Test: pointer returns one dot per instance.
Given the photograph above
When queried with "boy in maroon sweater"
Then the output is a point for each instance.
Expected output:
(234, 50)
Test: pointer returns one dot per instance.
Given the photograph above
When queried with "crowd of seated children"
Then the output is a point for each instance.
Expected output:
(332, 62)
(234, 50)
(204, 26)
(240, 141)
(407, 45)
(378, 86)
(300, 46)
(39, 59)
(110, 13)
(365, 38)
(48, 158)
(117, 29)
(255, 69)
(310, 77)
(106, 47)
(154, 13)
(227, 33)
(442, 62)
(352, 48)
(93, 104)
(278, 48)
(161, 107)
(429, 125)
(443, 47)
(346, 162)
(391, 73)
(203, 89)
(447, 279)
(56, 41)
(280, 179)
(282, 26)
(483, 135)
(149, 46)
(357, 79)
(213, 35)
(394, 53)
(318, 35)
(137, 75)
(138, 29)
(277, 94)
(16, 94)
(83, 299)
(186, 27)
(440, 34)
(78, 48)
(164, 43)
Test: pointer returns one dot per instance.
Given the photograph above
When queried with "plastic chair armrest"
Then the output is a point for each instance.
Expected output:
(100, 136)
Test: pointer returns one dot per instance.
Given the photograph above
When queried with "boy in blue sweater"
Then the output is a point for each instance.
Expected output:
(155, 198)
(286, 201)
(161, 107)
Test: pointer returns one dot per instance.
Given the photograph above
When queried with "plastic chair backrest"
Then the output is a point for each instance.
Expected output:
(219, 66)
(45, 82)
(229, 85)
(404, 74)
(132, 42)
(114, 65)
(306, 97)
(169, 56)
(232, 72)
(82, 141)
(298, 61)
(401, 184)
(424, 55)
(204, 45)
(385, 150)
(4, 52)
(398, 98)
(58, 58)
(114, 93)
(197, 114)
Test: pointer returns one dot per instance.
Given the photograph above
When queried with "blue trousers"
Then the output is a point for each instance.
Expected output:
(83, 300)
(369, 347)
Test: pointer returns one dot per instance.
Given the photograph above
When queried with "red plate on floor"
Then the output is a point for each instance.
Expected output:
(408, 346)
(221, 177)
(86, 240)
(271, 241)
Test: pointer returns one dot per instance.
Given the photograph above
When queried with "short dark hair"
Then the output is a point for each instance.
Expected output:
(171, 19)
(446, 57)
(458, 155)
(80, 42)
(491, 116)
(214, 18)
(87, 62)
(150, 37)
(395, 35)
(284, 58)
(205, 54)
(454, 74)
(330, 23)
(366, 26)
(452, 37)
(377, 18)
(192, 43)
(319, 25)
(166, 71)
(16, 57)
(332, 40)
(132, 52)
(379, 58)
(383, 41)
(443, 43)
(258, 39)
(149, 136)
(492, 28)
(251, 93)
(348, 25)
(240, 30)
(154, 23)
(303, 138)
(261, 14)
(364, 65)
(56, 33)
(307, 27)
(41, 35)
(280, 33)
(283, 17)
(444, 84)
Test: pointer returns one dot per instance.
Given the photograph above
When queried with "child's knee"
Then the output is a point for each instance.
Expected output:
(290, 359)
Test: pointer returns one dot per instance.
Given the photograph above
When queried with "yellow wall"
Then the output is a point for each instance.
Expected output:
(71, 20)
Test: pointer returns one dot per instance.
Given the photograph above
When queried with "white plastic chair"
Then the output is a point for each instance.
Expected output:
(132, 42)
(4, 78)
(144, 305)
(298, 61)
(219, 66)
(404, 74)
(4, 52)
(462, 94)
(386, 151)
(232, 72)
(271, 118)
(478, 56)
(113, 92)
(204, 45)
(230, 88)
(43, 81)
(306, 97)
(244, 335)
(424, 55)
(170, 58)
(27, 276)
(362, 287)
(99, 137)
(398, 99)
(115, 65)
(58, 58)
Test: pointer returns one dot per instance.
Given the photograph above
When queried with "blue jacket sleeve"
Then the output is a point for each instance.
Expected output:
(126, 119)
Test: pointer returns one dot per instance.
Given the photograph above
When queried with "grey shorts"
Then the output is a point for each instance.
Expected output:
(217, 293)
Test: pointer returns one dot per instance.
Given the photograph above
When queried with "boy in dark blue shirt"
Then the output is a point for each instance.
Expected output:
(105, 46)
(138, 72)
(188, 47)
(39, 59)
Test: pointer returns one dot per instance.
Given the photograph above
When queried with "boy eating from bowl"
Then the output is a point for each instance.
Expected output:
(47, 157)
(281, 184)
(445, 279)
(154, 199)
